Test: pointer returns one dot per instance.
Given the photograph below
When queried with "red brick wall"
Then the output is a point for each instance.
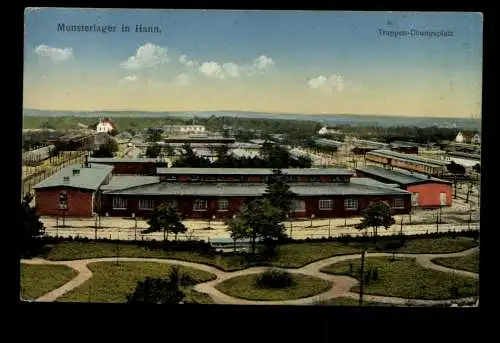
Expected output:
(312, 207)
(79, 202)
(429, 193)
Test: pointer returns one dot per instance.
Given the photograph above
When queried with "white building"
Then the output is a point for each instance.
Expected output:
(105, 125)
(459, 138)
(324, 130)
(476, 139)
(184, 129)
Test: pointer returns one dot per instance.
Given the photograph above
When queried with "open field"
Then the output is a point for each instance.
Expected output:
(468, 263)
(36, 280)
(293, 255)
(112, 283)
(245, 287)
(403, 278)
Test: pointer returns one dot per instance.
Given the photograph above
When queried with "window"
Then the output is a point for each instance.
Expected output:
(195, 178)
(399, 203)
(172, 178)
(314, 179)
(119, 204)
(223, 204)
(351, 204)
(200, 205)
(298, 206)
(146, 204)
(325, 204)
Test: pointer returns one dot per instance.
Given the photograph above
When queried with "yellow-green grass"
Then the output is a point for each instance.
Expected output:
(404, 278)
(112, 283)
(468, 263)
(294, 255)
(350, 302)
(245, 287)
(37, 280)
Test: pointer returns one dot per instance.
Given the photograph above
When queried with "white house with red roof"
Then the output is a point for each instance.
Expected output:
(105, 125)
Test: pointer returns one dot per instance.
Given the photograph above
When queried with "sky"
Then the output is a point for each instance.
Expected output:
(425, 64)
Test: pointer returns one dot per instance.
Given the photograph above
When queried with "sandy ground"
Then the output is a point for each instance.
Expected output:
(453, 218)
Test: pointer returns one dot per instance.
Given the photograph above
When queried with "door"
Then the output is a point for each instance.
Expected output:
(414, 200)
(442, 199)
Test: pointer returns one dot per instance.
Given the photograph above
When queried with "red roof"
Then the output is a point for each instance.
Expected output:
(106, 120)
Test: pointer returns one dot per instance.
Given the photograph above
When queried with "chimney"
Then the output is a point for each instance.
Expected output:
(86, 161)
(76, 172)
(66, 179)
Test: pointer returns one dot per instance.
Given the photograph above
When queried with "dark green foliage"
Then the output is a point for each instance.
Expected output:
(377, 214)
(257, 219)
(165, 218)
(155, 136)
(153, 150)
(106, 150)
(161, 291)
(274, 278)
(31, 228)
(278, 193)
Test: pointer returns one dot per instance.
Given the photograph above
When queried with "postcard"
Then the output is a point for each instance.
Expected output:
(256, 157)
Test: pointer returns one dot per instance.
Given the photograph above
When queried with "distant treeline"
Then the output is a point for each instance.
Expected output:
(295, 132)
(271, 156)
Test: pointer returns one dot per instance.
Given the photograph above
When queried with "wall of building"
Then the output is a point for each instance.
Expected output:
(185, 206)
(133, 168)
(429, 193)
(79, 202)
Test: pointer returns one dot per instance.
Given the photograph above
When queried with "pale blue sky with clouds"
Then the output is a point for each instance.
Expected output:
(273, 61)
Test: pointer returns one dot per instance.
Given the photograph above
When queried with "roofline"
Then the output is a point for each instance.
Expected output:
(421, 181)
(66, 186)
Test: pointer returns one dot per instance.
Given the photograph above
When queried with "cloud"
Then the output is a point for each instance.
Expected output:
(129, 79)
(263, 63)
(56, 55)
(147, 56)
(328, 84)
(183, 80)
(212, 69)
(188, 63)
(231, 69)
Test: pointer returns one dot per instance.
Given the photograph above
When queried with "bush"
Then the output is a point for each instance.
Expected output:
(275, 278)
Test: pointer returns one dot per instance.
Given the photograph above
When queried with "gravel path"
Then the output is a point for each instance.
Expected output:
(341, 284)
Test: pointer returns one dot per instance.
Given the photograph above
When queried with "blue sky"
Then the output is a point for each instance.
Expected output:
(343, 51)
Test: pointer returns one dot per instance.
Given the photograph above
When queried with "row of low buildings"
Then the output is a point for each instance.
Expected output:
(108, 188)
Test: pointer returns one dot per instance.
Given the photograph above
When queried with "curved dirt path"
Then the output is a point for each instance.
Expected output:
(341, 284)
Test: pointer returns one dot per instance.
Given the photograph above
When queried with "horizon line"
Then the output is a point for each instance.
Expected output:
(258, 112)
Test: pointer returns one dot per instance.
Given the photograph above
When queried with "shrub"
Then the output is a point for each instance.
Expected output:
(275, 278)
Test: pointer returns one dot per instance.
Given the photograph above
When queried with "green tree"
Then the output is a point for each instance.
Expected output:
(107, 150)
(153, 150)
(257, 219)
(31, 227)
(377, 214)
(154, 137)
(279, 194)
(165, 218)
(159, 291)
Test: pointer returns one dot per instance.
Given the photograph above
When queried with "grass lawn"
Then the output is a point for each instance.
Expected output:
(350, 302)
(469, 262)
(294, 255)
(245, 287)
(37, 280)
(406, 279)
(112, 283)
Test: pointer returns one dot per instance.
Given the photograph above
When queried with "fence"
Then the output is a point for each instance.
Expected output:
(200, 234)
(42, 172)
